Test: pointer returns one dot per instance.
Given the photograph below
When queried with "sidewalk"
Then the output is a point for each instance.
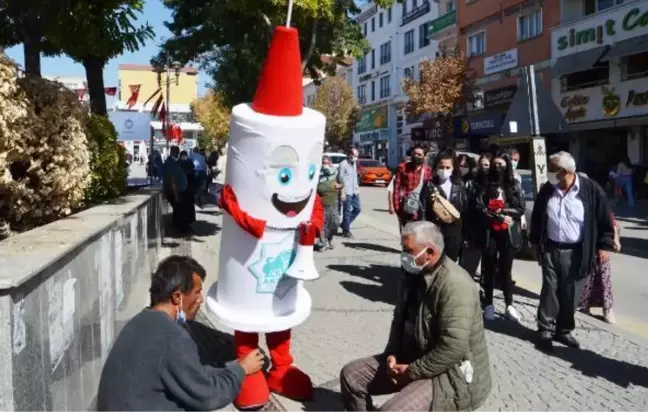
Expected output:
(352, 310)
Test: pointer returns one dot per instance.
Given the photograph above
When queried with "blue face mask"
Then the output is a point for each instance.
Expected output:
(181, 316)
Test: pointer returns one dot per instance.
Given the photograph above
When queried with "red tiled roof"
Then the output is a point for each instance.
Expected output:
(149, 68)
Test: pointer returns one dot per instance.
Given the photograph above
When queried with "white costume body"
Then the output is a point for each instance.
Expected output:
(273, 163)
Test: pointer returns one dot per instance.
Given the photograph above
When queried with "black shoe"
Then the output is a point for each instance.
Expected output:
(567, 340)
(347, 235)
(545, 343)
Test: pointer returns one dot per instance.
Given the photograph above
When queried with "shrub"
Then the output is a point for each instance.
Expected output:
(108, 168)
(46, 161)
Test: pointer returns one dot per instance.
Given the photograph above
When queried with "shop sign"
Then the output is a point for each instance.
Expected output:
(442, 23)
(366, 15)
(575, 106)
(637, 99)
(611, 102)
(373, 119)
(622, 23)
(502, 61)
(500, 96)
(486, 124)
(416, 12)
(420, 134)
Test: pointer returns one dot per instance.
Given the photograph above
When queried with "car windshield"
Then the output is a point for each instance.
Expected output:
(527, 186)
(369, 163)
(336, 160)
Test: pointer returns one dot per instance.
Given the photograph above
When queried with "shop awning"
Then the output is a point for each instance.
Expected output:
(578, 62)
(628, 47)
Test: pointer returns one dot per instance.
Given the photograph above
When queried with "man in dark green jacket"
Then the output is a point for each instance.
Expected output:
(436, 357)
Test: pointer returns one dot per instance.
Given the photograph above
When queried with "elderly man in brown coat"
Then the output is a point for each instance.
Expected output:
(436, 357)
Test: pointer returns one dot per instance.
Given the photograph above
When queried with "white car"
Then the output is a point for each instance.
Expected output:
(336, 158)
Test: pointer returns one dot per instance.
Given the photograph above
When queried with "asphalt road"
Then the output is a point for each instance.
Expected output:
(629, 268)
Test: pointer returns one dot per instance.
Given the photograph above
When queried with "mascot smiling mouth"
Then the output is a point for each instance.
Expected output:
(290, 206)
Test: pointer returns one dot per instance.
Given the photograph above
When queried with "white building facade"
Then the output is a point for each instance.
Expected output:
(600, 79)
(399, 40)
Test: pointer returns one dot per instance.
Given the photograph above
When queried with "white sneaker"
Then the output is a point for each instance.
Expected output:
(609, 317)
(489, 312)
(512, 313)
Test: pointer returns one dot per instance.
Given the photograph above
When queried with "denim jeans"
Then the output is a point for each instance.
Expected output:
(625, 183)
(351, 211)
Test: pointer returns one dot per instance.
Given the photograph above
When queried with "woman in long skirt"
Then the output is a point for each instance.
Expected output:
(597, 292)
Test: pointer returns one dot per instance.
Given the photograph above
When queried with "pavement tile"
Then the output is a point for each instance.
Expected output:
(352, 309)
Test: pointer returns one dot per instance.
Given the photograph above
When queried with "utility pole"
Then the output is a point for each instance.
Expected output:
(168, 100)
(538, 144)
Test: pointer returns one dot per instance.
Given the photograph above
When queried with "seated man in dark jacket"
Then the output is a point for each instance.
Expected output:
(436, 357)
(154, 363)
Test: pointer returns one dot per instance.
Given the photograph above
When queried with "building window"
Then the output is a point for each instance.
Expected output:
(634, 66)
(373, 59)
(373, 24)
(409, 72)
(385, 53)
(373, 90)
(385, 90)
(380, 20)
(450, 6)
(530, 25)
(365, 29)
(598, 76)
(594, 6)
(409, 41)
(414, 4)
(404, 7)
(423, 38)
(389, 14)
(477, 44)
(362, 64)
(362, 94)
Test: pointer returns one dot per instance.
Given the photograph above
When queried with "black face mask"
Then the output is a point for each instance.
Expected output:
(418, 160)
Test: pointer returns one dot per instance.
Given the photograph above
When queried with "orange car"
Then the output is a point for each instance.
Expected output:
(372, 172)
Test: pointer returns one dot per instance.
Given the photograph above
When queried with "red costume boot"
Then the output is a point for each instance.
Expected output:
(254, 390)
(284, 378)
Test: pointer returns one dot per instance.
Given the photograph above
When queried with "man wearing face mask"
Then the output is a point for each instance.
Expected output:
(436, 356)
(328, 188)
(571, 227)
(348, 171)
(154, 363)
(411, 177)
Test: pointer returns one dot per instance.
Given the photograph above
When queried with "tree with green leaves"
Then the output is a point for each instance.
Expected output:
(334, 99)
(231, 38)
(93, 32)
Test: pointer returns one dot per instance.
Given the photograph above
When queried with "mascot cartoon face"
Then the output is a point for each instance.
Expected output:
(291, 178)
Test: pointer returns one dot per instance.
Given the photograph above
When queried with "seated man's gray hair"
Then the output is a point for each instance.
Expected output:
(565, 161)
(425, 233)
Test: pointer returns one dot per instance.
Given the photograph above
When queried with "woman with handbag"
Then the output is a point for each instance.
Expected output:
(501, 207)
(444, 201)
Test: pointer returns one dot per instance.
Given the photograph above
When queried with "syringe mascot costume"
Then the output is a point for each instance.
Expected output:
(273, 215)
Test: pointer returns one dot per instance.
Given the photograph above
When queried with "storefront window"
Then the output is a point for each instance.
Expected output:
(634, 66)
(598, 76)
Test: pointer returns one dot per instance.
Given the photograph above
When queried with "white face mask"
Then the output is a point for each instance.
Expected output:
(408, 262)
(464, 171)
(181, 316)
(514, 164)
(553, 179)
(444, 174)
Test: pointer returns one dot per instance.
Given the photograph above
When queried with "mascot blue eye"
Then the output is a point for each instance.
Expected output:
(311, 171)
(285, 176)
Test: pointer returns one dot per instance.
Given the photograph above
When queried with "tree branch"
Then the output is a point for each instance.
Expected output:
(311, 47)
(267, 21)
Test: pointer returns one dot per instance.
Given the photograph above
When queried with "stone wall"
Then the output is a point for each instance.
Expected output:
(66, 289)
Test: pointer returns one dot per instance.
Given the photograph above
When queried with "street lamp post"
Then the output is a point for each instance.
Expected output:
(175, 66)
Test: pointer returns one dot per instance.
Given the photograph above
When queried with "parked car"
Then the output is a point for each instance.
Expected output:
(372, 172)
(336, 158)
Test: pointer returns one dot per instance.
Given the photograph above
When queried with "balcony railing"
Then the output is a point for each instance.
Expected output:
(415, 13)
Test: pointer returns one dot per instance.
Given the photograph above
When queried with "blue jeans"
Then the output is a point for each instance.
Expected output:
(351, 211)
(625, 182)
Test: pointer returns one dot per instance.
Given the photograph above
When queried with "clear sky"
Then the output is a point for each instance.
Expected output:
(154, 12)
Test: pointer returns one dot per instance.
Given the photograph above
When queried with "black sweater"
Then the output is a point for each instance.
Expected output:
(598, 230)
(154, 366)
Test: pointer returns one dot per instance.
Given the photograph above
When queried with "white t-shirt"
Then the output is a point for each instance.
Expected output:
(390, 187)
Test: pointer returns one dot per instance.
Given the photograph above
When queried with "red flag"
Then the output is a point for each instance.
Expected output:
(81, 93)
(135, 89)
(110, 91)
(156, 106)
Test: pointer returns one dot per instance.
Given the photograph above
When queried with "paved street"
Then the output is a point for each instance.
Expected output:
(629, 275)
(353, 301)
